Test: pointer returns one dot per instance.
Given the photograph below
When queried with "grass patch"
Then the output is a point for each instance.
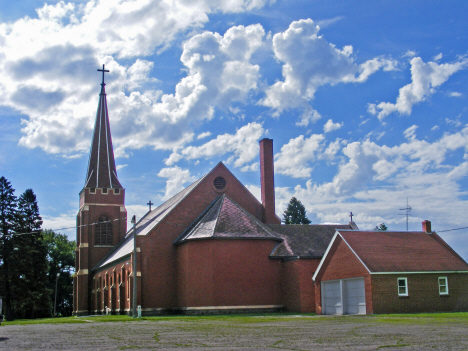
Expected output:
(421, 318)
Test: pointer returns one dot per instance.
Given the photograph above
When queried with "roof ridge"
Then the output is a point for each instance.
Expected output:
(260, 223)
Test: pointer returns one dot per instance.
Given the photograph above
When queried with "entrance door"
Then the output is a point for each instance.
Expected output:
(355, 297)
(332, 297)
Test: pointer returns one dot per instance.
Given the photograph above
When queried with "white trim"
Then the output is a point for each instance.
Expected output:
(90, 204)
(99, 147)
(328, 250)
(446, 286)
(422, 272)
(107, 142)
(406, 286)
(324, 256)
(354, 252)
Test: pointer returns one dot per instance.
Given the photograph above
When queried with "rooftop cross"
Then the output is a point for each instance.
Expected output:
(103, 70)
(351, 216)
(150, 203)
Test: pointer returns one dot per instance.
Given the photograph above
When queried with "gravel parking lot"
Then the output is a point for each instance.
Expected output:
(252, 333)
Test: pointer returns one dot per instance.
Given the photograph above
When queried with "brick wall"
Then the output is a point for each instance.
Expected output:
(223, 272)
(298, 287)
(159, 256)
(423, 291)
(342, 263)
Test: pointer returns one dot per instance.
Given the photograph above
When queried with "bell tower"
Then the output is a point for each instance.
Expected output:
(102, 218)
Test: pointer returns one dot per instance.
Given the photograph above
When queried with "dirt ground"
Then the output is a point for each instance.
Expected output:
(254, 333)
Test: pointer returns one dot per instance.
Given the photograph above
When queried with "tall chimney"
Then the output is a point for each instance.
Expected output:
(426, 226)
(267, 180)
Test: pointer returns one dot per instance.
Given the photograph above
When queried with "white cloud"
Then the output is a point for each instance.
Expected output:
(243, 146)
(177, 178)
(303, 75)
(294, 156)
(410, 133)
(48, 67)
(455, 94)
(410, 53)
(330, 126)
(425, 79)
(437, 57)
(374, 181)
(203, 135)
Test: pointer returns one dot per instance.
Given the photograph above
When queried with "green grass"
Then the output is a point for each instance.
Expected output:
(421, 318)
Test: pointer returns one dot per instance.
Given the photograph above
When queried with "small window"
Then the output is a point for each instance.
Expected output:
(104, 190)
(92, 190)
(219, 183)
(443, 286)
(116, 191)
(402, 287)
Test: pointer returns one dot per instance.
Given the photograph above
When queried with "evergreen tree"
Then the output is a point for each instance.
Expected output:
(295, 213)
(8, 224)
(61, 257)
(32, 298)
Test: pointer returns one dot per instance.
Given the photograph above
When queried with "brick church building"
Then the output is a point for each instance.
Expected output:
(215, 248)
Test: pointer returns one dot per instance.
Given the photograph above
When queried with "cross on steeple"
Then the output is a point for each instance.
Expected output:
(103, 70)
(150, 203)
(351, 216)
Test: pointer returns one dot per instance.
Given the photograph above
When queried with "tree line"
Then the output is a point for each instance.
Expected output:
(36, 265)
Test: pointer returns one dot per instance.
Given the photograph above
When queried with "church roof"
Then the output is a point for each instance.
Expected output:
(144, 226)
(403, 251)
(101, 165)
(225, 219)
(305, 241)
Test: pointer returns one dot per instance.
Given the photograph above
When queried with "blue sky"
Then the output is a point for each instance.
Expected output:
(366, 102)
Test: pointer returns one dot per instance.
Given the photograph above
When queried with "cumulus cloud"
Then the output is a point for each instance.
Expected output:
(293, 159)
(425, 79)
(309, 62)
(243, 147)
(48, 67)
(455, 94)
(385, 176)
(330, 126)
(176, 179)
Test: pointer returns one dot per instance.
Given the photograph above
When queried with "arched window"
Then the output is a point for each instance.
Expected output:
(103, 231)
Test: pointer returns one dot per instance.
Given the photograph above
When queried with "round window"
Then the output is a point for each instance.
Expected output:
(219, 183)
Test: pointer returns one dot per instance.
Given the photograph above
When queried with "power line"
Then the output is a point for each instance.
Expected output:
(449, 230)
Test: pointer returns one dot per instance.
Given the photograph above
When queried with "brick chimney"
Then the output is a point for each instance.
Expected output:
(426, 226)
(267, 180)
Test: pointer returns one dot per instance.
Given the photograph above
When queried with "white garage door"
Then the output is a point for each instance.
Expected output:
(349, 291)
(354, 291)
(332, 297)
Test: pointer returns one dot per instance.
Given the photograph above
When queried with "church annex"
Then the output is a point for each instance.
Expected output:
(211, 248)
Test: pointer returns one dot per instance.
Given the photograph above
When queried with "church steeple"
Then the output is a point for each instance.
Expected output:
(101, 167)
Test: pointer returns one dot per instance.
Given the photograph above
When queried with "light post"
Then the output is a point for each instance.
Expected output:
(56, 285)
(134, 309)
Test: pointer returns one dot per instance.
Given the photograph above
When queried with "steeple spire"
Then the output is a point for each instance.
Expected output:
(101, 167)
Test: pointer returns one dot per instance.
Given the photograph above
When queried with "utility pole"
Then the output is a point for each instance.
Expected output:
(134, 307)
(407, 210)
(56, 286)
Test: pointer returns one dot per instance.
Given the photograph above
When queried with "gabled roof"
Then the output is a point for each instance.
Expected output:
(403, 251)
(121, 250)
(101, 165)
(224, 218)
(305, 241)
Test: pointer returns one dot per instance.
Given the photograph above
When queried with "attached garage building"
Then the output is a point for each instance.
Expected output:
(390, 272)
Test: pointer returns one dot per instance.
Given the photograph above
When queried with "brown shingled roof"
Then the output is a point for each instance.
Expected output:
(403, 251)
(226, 219)
(305, 241)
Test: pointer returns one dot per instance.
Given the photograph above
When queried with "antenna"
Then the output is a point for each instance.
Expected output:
(407, 210)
